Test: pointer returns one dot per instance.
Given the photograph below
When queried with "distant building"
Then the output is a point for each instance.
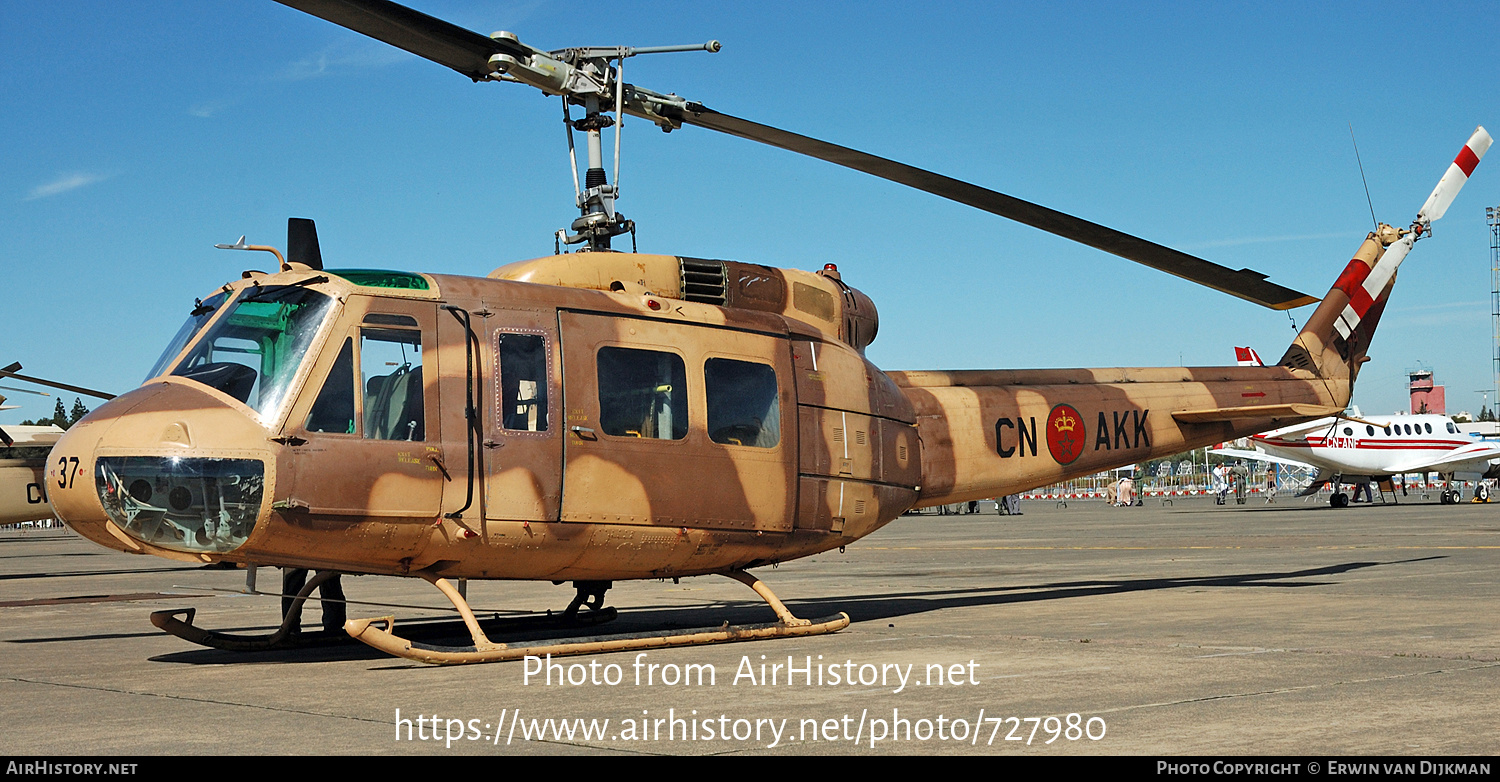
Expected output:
(1425, 397)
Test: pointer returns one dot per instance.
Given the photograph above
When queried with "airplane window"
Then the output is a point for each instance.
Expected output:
(1408, 428)
(1387, 430)
(334, 409)
(743, 405)
(1369, 430)
(1452, 429)
(1428, 427)
(390, 363)
(523, 382)
(642, 393)
(1348, 431)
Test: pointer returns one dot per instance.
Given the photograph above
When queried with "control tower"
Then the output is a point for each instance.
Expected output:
(1425, 397)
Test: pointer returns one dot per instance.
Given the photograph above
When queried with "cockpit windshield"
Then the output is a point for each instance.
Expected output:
(254, 351)
(201, 314)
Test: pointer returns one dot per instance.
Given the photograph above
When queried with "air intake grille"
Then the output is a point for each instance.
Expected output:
(703, 281)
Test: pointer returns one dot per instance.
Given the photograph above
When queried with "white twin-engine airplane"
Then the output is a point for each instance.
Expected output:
(1355, 448)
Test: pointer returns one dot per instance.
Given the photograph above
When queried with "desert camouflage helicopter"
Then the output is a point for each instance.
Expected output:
(599, 416)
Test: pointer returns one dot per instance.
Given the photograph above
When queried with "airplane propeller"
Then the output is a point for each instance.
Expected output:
(585, 77)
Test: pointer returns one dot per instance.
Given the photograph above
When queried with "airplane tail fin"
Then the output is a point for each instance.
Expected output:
(1247, 357)
(1334, 342)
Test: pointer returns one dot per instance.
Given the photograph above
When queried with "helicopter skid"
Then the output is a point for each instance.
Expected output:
(379, 632)
(285, 637)
(169, 621)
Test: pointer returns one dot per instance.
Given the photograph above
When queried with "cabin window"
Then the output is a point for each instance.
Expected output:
(333, 411)
(1407, 427)
(1387, 430)
(1369, 430)
(1348, 432)
(1428, 428)
(390, 362)
(744, 407)
(642, 393)
(523, 382)
(254, 351)
(1452, 428)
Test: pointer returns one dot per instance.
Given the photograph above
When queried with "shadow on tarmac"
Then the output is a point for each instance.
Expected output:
(861, 608)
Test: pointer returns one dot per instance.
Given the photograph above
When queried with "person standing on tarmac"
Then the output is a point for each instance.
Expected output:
(1241, 477)
(335, 612)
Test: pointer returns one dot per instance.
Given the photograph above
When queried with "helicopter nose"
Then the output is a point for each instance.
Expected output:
(168, 469)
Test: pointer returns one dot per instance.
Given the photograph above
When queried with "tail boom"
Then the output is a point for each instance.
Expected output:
(991, 433)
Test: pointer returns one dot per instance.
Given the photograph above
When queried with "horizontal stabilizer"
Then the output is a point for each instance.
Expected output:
(1259, 456)
(1217, 414)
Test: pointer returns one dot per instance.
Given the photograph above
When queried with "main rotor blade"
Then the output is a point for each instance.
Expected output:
(469, 52)
(1247, 284)
(7, 372)
(444, 43)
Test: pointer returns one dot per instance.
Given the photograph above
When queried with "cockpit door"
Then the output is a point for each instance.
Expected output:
(371, 447)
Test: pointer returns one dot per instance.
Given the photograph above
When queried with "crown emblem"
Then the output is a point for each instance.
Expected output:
(1064, 423)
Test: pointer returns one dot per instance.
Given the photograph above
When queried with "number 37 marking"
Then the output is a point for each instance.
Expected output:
(65, 475)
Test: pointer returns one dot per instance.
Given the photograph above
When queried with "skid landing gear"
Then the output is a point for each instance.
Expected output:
(179, 622)
(484, 650)
(285, 637)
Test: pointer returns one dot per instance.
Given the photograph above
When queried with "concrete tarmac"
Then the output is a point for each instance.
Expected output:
(1286, 629)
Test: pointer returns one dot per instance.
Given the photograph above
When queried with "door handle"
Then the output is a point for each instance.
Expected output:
(585, 433)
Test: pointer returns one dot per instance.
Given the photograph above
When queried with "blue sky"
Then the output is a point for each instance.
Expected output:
(138, 135)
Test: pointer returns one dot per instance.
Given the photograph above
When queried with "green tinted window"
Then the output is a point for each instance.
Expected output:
(253, 352)
(380, 278)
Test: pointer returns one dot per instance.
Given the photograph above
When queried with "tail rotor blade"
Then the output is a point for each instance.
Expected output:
(1453, 180)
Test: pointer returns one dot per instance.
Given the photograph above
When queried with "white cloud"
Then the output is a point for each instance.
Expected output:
(209, 108)
(342, 57)
(63, 184)
(1475, 311)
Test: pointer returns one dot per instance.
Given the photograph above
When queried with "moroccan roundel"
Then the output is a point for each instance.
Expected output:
(1065, 434)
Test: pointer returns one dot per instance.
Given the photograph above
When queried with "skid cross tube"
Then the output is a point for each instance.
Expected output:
(379, 632)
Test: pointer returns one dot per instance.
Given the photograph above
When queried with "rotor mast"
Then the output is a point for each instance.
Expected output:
(590, 77)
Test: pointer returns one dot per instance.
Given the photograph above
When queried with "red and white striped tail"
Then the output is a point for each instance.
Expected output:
(1362, 283)
(1247, 357)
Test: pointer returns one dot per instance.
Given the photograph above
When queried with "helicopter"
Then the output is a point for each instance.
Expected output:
(23, 454)
(598, 416)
